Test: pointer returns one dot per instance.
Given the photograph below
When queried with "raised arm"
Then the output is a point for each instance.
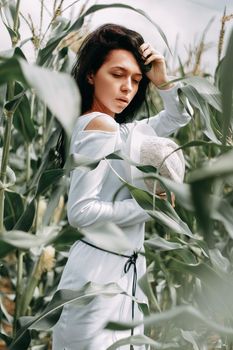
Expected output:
(85, 207)
(174, 115)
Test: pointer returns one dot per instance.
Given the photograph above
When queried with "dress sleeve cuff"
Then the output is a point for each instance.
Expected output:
(171, 92)
(172, 104)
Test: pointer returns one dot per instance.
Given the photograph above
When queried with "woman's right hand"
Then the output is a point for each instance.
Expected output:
(158, 72)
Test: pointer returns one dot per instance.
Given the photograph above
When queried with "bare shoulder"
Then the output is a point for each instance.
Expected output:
(102, 123)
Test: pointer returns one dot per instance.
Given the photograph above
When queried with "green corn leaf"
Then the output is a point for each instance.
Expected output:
(138, 340)
(45, 53)
(227, 88)
(52, 312)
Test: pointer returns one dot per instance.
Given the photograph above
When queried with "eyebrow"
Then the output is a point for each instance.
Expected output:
(124, 69)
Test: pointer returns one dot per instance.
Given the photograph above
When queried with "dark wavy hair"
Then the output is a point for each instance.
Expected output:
(93, 53)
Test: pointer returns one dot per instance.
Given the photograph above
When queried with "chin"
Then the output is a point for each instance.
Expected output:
(119, 110)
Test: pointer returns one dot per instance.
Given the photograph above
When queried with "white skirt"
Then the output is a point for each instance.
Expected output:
(82, 327)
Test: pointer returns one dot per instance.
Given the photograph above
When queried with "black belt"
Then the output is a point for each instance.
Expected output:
(130, 262)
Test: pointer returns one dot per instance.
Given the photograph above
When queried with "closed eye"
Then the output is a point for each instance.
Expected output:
(117, 75)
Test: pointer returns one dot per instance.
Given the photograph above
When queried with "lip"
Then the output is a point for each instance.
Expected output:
(123, 99)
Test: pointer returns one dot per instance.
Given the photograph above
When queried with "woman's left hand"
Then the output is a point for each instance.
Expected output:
(158, 72)
(163, 195)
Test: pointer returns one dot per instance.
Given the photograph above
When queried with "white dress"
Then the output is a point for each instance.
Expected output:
(90, 202)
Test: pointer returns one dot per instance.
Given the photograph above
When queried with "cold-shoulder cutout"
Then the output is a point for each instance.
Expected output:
(85, 205)
(102, 123)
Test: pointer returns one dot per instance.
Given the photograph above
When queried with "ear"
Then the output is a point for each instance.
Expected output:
(90, 78)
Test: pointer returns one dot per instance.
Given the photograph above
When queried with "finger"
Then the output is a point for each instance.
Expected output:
(155, 57)
(162, 195)
(144, 46)
(173, 198)
(151, 54)
(147, 46)
(148, 52)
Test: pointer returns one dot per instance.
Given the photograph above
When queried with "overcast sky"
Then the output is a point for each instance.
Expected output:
(186, 18)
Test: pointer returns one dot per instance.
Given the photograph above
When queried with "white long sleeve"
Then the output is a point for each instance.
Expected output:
(172, 117)
(85, 206)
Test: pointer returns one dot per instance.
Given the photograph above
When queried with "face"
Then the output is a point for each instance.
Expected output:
(116, 82)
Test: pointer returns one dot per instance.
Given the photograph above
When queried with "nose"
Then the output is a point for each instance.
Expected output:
(127, 85)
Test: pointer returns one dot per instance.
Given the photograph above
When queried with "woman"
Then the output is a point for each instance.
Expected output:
(113, 70)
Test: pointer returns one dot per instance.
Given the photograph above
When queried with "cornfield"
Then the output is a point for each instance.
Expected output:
(189, 248)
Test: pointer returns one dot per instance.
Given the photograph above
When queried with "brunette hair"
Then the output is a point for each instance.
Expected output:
(90, 57)
(93, 53)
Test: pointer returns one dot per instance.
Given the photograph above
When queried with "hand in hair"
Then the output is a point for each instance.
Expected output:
(158, 72)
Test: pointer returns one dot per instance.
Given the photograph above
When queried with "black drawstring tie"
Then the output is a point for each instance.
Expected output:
(132, 259)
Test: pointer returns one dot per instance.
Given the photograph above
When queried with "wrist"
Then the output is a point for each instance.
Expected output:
(163, 83)
(165, 86)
